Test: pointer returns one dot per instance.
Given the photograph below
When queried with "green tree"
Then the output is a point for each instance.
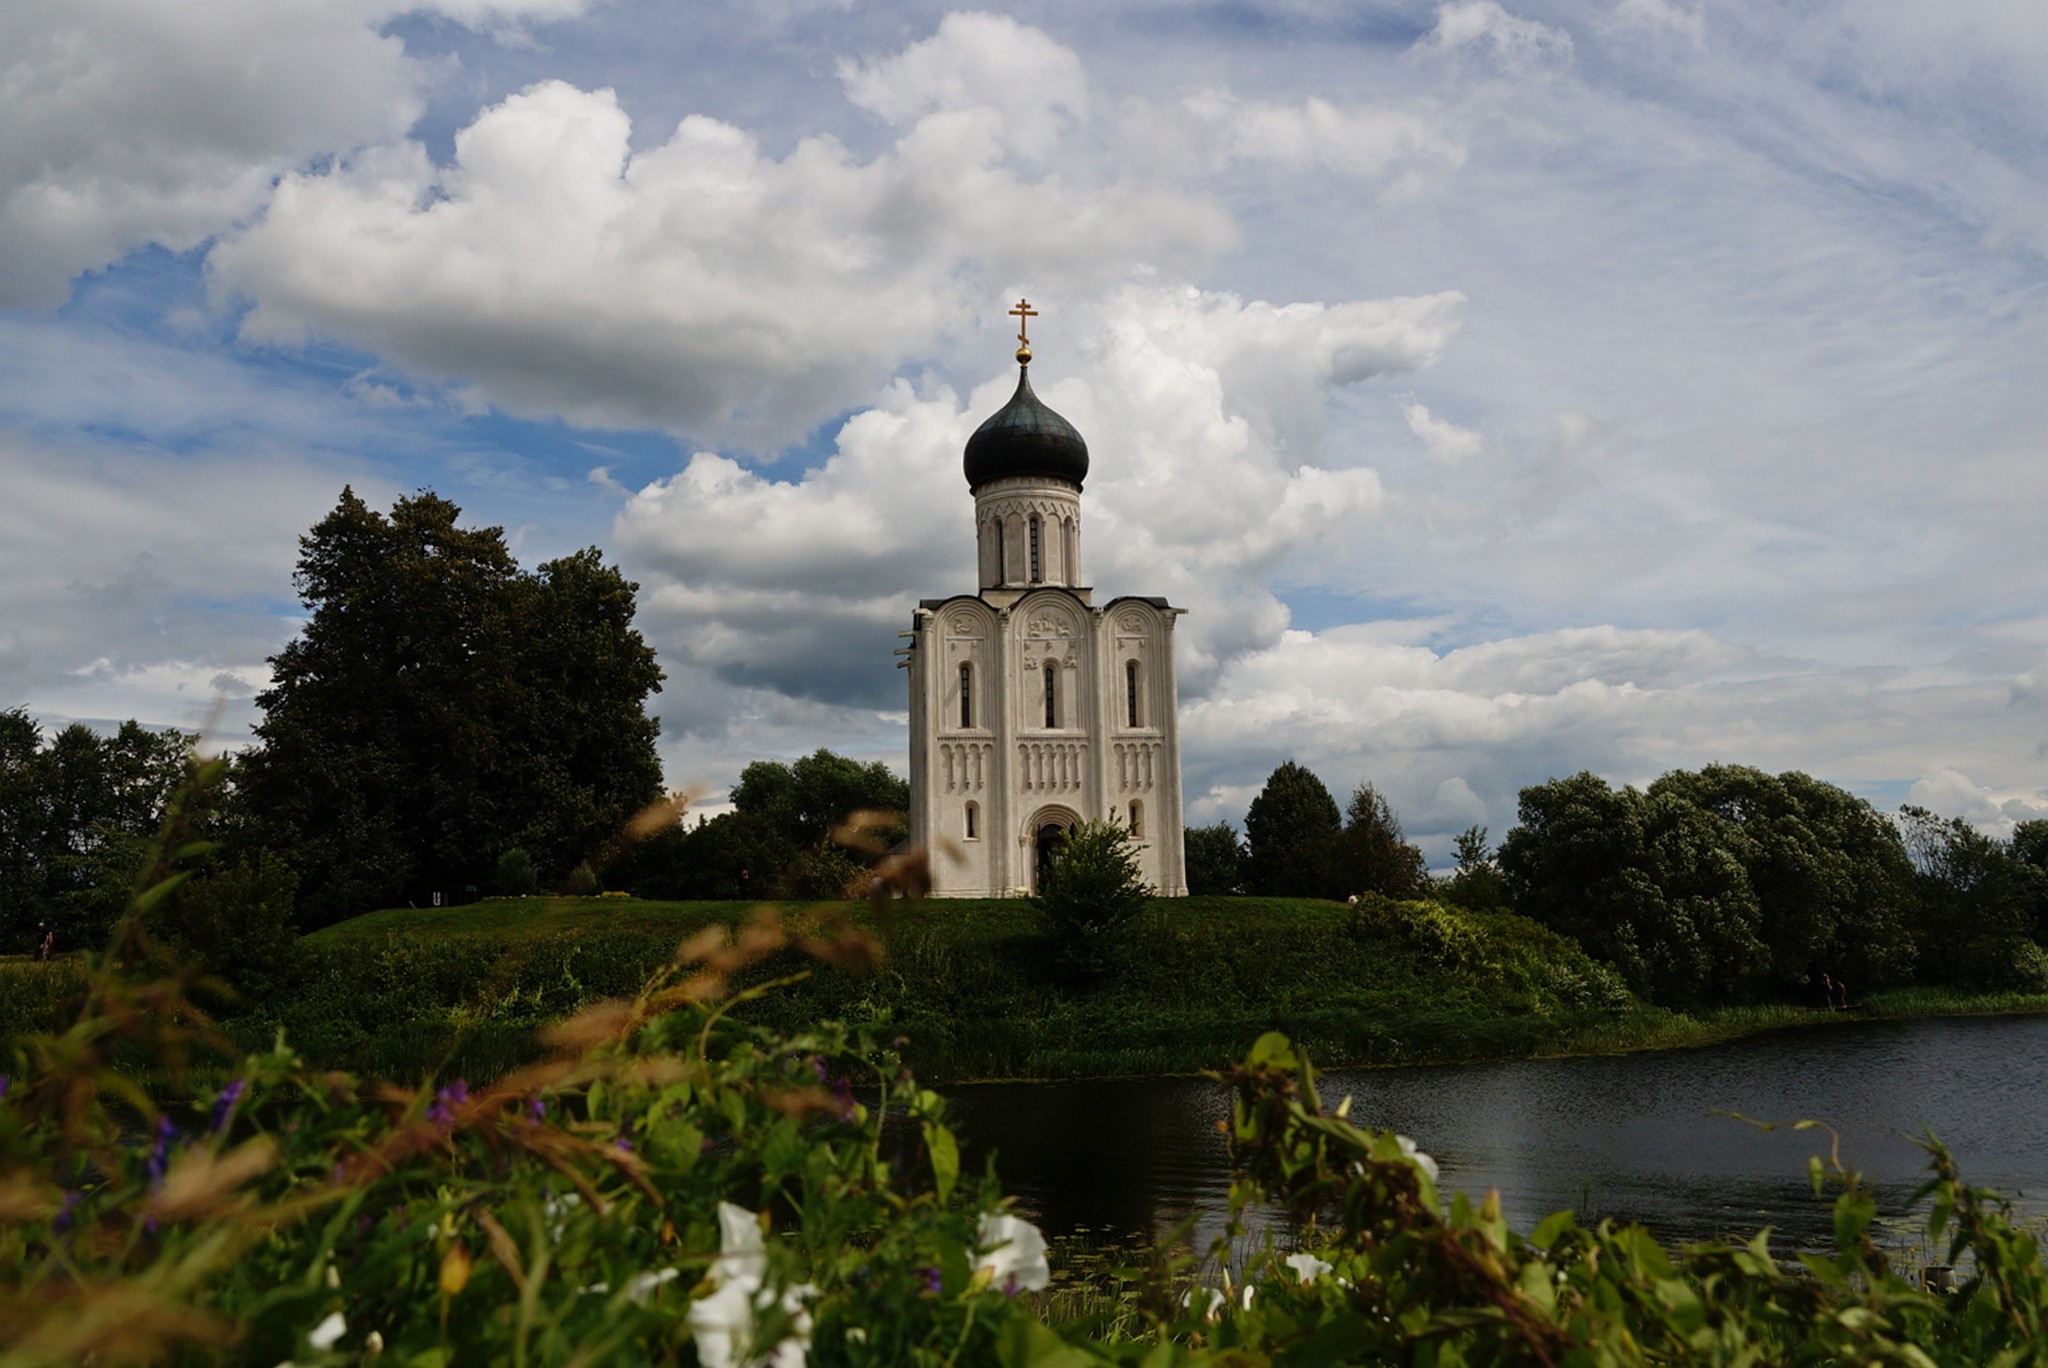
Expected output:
(234, 922)
(1215, 859)
(1089, 894)
(804, 801)
(803, 804)
(1592, 863)
(1373, 855)
(1721, 883)
(442, 706)
(1976, 903)
(76, 813)
(1828, 872)
(1292, 829)
(1477, 883)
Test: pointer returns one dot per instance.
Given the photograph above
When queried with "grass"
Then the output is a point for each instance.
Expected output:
(977, 991)
(975, 987)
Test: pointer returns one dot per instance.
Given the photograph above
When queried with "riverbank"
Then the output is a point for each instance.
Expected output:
(1654, 1028)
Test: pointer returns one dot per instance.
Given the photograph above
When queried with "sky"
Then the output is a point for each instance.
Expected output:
(1505, 389)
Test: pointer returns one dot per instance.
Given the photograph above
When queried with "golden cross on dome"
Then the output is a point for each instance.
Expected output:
(1024, 313)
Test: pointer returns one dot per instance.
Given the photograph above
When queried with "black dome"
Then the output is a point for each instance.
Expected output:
(1025, 438)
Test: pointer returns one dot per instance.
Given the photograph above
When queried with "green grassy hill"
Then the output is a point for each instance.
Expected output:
(975, 986)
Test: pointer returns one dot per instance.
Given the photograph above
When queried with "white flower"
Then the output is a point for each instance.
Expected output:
(328, 1333)
(1422, 1161)
(742, 1257)
(1213, 1301)
(1307, 1267)
(723, 1322)
(1013, 1253)
(640, 1287)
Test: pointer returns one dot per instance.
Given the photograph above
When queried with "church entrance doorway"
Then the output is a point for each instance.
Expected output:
(1048, 834)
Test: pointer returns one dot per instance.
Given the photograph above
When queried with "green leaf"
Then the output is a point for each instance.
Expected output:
(1272, 1048)
(945, 1154)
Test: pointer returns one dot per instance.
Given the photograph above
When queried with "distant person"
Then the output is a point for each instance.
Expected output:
(1827, 992)
(48, 947)
(1842, 995)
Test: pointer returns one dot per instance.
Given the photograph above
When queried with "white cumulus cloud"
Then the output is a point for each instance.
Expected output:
(700, 284)
(133, 121)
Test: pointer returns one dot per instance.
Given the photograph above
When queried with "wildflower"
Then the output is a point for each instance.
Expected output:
(5, 1084)
(160, 1156)
(62, 1221)
(932, 1281)
(442, 1110)
(1212, 1299)
(327, 1333)
(224, 1105)
(1421, 1160)
(1014, 1256)
(1307, 1267)
(723, 1323)
(640, 1287)
(537, 1109)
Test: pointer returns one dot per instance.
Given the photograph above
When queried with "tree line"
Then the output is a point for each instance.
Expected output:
(1723, 884)
(446, 725)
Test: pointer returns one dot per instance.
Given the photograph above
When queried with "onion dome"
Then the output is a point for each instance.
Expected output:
(1025, 438)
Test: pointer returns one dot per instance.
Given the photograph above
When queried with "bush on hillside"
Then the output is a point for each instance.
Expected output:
(1090, 892)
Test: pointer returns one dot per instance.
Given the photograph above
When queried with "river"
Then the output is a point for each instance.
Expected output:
(1637, 1136)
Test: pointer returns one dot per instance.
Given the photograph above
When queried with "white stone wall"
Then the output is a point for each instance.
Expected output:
(983, 781)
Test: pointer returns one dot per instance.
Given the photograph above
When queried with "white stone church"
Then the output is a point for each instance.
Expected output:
(1032, 707)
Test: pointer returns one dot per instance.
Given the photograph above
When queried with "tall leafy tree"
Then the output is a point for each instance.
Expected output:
(1215, 859)
(443, 706)
(1828, 872)
(1292, 829)
(76, 812)
(1978, 899)
(1724, 882)
(1373, 854)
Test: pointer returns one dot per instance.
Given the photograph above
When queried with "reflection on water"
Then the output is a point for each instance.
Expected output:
(1630, 1136)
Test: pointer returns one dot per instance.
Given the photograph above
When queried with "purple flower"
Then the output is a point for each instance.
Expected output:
(224, 1105)
(5, 1083)
(931, 1280)
(160, 1156)
(63, 1221)
(624, 1145)
(442, 1110)
(537, 1110)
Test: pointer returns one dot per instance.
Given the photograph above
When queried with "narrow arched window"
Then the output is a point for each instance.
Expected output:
(966, 695)
(973, 830)
(1052, 694)
(1002, 553)
(1037, 549)
(1137, 820)
(1131, 692)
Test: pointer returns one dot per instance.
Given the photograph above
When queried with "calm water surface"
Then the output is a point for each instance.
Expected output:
(1634, 1136)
